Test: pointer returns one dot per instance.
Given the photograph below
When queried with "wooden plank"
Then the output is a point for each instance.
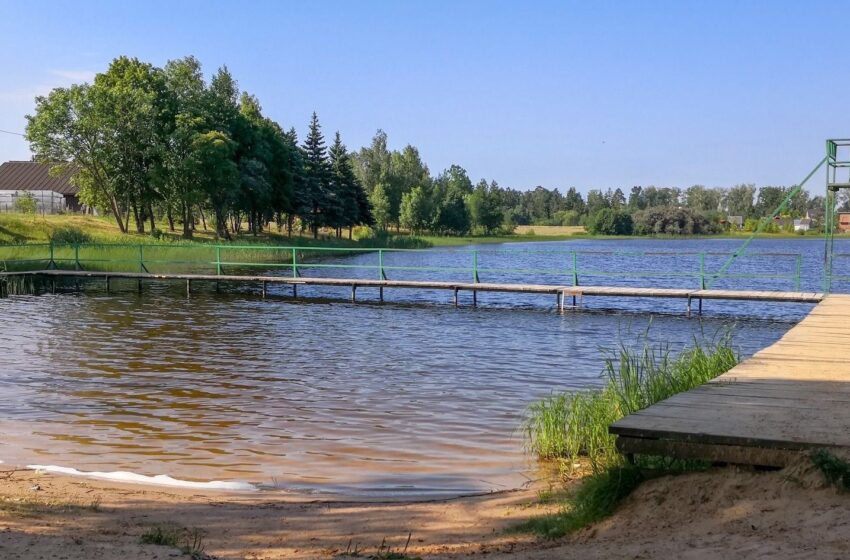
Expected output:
(685, 429)
(766, 456)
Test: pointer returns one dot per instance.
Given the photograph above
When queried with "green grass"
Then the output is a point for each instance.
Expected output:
(834, 469)
(573, 427)
(162, 535)
(595, 499)
(189, 541)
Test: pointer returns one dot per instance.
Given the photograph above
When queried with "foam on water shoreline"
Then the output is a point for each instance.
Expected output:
(157, 480)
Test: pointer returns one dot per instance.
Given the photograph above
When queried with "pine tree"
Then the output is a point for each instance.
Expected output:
(348, 191)
(317, 176)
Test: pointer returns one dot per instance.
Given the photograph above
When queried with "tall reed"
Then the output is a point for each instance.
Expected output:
(574, 425)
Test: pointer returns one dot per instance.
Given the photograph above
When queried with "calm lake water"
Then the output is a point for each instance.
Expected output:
(324, 395)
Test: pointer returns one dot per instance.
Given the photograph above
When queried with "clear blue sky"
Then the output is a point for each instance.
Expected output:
(586, 94)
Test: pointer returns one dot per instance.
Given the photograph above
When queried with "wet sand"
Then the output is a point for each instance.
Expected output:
(722, 513)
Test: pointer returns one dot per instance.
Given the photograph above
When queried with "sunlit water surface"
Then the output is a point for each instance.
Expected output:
(400, 398)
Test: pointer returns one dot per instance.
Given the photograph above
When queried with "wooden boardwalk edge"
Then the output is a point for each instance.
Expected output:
(561, 291)
(789, 398)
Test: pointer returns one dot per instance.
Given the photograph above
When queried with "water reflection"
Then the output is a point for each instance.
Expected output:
(313, 396)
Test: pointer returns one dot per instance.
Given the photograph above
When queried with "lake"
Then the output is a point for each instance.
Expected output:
(412, 397)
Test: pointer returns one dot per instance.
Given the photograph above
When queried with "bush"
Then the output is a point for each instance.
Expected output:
(26, 203)
(672, 220)
(752, 224)
(608, 221)
(369, 237)
(69, 236)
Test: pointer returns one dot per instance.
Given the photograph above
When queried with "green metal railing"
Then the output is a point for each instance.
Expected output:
(570, 267)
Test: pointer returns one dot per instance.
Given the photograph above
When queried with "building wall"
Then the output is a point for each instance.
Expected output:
(47, 202)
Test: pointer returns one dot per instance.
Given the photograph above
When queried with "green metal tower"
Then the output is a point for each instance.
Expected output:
(837, 178)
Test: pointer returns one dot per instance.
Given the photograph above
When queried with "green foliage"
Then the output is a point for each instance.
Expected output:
(596, 498)
(380, 206)
(452, 216)
(608, 221)
(69, 235)
(368, 237)
(148, 143)
(162, 535)
(415, 210)
(566, 218)
(25, 203)
(739, 200)
(835, 470)
(673, 221)
(573, 425)
(484, 210)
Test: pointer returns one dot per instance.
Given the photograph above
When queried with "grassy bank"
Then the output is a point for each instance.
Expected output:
(16, 229)
(573, 427)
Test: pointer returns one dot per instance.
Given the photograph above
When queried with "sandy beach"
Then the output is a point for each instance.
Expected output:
(724, 513)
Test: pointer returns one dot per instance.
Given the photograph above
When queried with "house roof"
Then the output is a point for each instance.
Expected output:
(35, 176)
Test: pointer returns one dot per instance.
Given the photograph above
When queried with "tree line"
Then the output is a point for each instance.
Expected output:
(154, 143)
(157, 144)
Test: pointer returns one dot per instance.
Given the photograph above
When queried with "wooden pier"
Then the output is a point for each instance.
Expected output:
(791, 397)
(566, 296)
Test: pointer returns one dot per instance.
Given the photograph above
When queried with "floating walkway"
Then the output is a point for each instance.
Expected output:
(791, 397)
(563, 294)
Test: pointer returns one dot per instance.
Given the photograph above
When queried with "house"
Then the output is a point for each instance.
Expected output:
(52, 193)
(736, 221)
(802, 224)
(844, 222)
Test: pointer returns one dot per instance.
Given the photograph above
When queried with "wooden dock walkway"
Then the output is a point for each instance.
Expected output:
(561, 292)
(791, 397)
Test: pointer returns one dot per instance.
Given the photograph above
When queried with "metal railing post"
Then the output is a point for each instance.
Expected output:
(294, 263)
(52, 263)
(475, 266)
(141, 258)
(575, 268)
(77, 256)
(702, 271)
(218, 260)
(383, 276)
(797, 271)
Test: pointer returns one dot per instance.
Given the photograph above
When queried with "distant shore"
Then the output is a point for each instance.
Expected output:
(18, 229)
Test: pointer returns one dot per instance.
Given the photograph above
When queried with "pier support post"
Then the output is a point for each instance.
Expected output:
(188, 287)
(53, 285)
(139, 285)
(689, 306)
(353, 293)
(455, 297)
(700, 306)
(474, 298)
(107, 284)
(264, 289)
(295, 290)
(381, 293)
